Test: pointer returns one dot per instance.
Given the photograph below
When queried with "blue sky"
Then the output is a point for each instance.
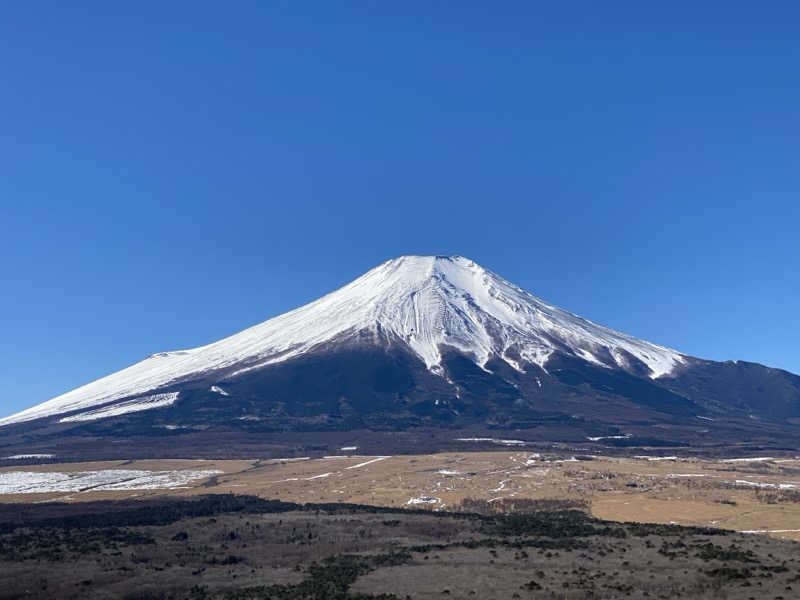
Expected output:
(172, 174)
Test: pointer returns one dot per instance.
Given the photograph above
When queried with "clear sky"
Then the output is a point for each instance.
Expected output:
(171, 173)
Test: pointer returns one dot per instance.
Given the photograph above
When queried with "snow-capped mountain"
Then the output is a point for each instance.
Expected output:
(420, 341)
(424, 302)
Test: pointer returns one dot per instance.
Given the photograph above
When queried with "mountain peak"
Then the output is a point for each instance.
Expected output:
(415, 266)
(430, 301)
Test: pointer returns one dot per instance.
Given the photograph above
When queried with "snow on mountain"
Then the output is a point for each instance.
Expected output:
(121, 408)
(423, 302)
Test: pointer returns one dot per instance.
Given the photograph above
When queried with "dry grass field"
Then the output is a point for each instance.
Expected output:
(757, 494)
(225, 547)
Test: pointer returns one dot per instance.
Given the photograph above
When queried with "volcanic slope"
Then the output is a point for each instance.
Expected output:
(427, 341)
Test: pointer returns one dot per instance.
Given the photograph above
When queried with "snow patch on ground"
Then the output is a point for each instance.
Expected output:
(609, 437)
(369, 462)
(533, 459)
(34, 482)
(500, 487)
(424, 500)
(773, 486)
(769, 531)
(493, 441)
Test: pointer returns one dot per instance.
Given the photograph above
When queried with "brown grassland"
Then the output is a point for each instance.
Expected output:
(743, 495)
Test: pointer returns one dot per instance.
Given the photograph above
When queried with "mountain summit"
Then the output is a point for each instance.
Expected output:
(421, 341)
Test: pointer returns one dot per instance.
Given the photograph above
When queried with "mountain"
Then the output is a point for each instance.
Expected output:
(427, 342)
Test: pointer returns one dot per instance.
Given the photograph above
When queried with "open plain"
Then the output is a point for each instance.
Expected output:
(752, 494)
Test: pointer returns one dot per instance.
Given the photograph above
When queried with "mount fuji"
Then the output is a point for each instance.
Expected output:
(429, 343)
